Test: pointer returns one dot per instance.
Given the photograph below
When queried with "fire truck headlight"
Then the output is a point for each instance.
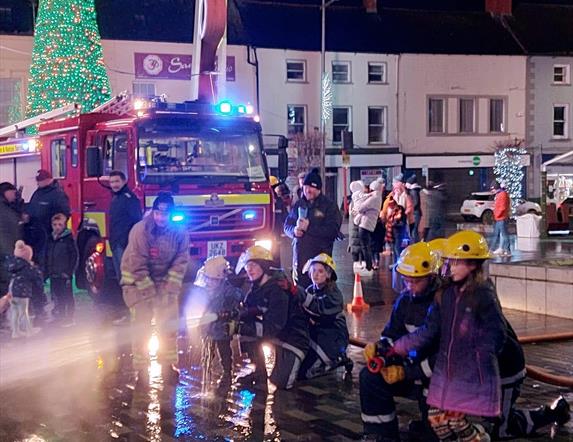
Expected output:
(177, 217)
(249, 215)
(250, 109)
(242, 109)
(265, 243)
(139, 104)
(31, 145)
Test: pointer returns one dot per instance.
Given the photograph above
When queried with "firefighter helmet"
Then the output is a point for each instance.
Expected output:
(325, 260)
(273, 180)
(417, 260)
(437, 246)
(466, 244)
(253, 253)
(216, 268)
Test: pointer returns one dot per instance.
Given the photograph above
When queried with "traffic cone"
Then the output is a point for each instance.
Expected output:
(358, 303)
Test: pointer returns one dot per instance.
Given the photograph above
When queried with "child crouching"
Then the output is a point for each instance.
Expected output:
(25, 282)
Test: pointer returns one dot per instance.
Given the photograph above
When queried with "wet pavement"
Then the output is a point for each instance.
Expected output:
(72, 384)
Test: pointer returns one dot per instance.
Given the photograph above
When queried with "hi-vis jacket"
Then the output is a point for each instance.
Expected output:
(154, 256)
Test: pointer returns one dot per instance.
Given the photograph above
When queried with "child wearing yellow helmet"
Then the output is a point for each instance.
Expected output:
(469, 324)
(380, 385)
(323, 304)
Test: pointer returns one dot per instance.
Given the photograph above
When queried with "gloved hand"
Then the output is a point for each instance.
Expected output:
(393, 374)
(370, 351)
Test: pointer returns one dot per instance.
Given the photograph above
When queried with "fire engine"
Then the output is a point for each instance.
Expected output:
(209, 157)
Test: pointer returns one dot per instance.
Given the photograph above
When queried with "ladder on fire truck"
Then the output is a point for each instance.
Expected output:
(13, 129)
(121, 104)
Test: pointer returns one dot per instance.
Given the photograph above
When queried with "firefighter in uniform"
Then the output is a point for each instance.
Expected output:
(152, 269)
(417, 265)
(324, 305)
(271, 314)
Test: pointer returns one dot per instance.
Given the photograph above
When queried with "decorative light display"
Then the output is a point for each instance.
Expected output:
(15, 106)
(326, 97)
(67, 59)
(508, 168)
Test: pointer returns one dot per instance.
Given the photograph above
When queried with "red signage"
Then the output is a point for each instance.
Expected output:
(171, 66)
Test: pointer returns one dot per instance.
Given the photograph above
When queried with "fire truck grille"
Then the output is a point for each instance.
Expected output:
(224, 219)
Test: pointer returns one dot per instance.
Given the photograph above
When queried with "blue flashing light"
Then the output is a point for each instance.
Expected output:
(249, 215)
(224, 107)
(177, 217)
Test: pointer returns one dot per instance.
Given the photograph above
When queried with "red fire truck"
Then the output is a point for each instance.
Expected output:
(209, 157)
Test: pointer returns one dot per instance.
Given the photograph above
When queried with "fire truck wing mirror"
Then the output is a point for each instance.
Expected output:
(282, 158)
(93, 161)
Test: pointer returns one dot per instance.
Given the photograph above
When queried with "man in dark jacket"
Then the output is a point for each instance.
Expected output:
(313, 224)
(10, 231)
(414, 189)
(48, 200)
(272, 312)
(377, 389)
(124, 213)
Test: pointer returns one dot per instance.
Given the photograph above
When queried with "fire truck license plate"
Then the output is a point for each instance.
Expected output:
(215, 248)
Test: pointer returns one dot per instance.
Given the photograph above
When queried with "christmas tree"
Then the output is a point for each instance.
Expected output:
(509, 169)
(67, 60)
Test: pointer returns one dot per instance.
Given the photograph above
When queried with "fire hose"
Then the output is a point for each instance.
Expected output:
(533, 371)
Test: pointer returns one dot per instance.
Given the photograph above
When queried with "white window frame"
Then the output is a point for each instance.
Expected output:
(473, 128)
(141, 84)
(295, 80)
(566, 74)
(348, 65)
(444, 101)
(565, 121)
(382, 124)
(289, 124)
(503, 123)
(384, 74)
(349, 122)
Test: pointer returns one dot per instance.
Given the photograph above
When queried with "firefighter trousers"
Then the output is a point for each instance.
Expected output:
(378, 409)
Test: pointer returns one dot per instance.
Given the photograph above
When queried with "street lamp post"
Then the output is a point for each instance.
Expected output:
(323, 7)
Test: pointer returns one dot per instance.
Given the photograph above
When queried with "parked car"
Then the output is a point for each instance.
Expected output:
(479, 205)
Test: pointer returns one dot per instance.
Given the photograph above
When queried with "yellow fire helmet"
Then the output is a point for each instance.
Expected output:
(417, 260)
(273, 180)
(253, 253)
(216, 267)
(325, 259)
(466, 244)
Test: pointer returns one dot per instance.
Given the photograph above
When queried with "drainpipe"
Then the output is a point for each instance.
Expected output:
(254, 62)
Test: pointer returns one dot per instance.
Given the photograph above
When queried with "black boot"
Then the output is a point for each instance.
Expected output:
(560, 411)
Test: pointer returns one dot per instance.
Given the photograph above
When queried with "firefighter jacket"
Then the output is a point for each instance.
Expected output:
(409, 313)
(325, 311)
(324, 225)
(124, 213)
(155, 256)
(272, 311)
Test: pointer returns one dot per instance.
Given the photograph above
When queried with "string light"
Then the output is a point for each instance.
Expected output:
(67, 59)
(508, 168)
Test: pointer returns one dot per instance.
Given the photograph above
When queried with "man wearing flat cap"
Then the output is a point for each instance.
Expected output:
(313, 224)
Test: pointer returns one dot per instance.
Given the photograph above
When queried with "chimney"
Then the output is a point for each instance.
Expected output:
(498, 7)
(370, 6)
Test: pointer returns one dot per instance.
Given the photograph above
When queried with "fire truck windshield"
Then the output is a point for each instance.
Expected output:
(180, 154)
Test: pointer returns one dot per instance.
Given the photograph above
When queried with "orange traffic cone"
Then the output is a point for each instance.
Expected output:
(358, 303)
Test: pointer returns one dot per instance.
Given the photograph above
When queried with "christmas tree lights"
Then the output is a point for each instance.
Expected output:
(67, 59)
(508, 169)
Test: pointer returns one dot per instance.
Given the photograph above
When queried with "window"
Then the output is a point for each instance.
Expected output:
(296, 70)
(466, 115)
(114, 152)
(296, 119)
(377, 125)
(10, 108)
(436, 120)
(560, 117)
(341, 120)
(561, 74)
(75, 151)
(58, 154)
(496, 117)
(144, 89)
(341, 72)
(376, 72)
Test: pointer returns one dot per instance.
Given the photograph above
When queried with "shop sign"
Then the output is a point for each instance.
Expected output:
(171, 66)
(476, 160)
(369, 175)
